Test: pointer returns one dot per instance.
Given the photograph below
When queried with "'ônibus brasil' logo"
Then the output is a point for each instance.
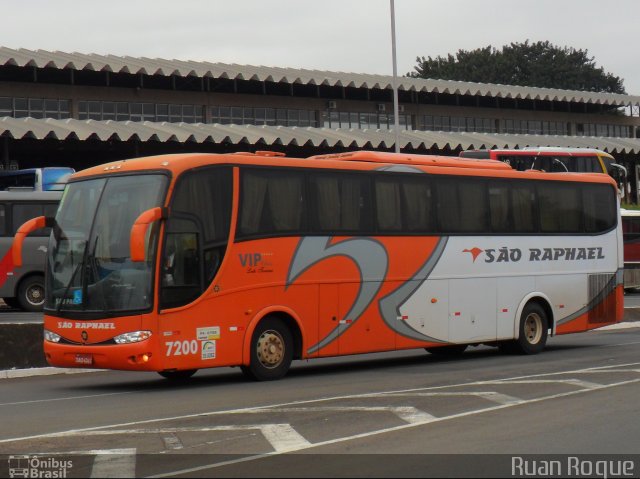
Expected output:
(514, 255)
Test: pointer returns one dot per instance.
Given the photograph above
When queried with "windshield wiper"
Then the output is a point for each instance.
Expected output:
(92, 262)
(73, 276)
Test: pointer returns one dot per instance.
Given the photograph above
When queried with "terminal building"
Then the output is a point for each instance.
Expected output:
(80, 110)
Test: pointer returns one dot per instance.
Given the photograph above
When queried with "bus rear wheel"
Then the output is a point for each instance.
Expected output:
(31, 294)
(534, 326)
(271, 351)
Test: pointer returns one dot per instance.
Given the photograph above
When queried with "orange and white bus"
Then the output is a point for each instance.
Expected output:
(180, 262)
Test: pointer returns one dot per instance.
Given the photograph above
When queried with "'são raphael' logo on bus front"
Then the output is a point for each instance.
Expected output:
(514, 255)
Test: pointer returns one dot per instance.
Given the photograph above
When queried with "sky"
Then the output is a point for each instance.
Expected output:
(336, 35)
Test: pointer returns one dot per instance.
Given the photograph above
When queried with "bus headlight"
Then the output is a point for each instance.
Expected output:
(51, 336)
(134, 337)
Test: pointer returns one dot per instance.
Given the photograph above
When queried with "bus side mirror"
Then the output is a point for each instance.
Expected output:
(619, 174)
(24, 230)
(139, 232)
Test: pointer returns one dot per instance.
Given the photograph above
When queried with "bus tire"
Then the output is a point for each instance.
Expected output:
(31, 294)
(450, 350)
(534, 326)
(177, 376)
(271, 351)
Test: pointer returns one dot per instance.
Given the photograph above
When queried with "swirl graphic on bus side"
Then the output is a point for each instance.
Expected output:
(390, 304)
(372, 262)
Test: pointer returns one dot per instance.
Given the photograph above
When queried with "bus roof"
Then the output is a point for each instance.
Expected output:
(359, 161)
(406, 159)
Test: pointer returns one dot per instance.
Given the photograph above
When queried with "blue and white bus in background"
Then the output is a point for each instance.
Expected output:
(51, 178)
(26, 194)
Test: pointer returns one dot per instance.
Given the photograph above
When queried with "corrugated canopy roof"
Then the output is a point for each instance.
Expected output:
(157, 66)
(266, 136)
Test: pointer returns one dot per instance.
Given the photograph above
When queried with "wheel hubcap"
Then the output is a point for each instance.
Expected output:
(35, 295)
(533, 328)
(270, 349)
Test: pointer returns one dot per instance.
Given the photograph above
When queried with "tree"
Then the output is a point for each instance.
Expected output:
(539, 64)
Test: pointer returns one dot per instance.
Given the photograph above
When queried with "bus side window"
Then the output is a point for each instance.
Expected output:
(21, 213)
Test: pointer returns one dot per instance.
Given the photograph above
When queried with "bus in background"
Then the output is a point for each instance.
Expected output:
(557, 160)
(631, 237)
(179, 262)
(23, 287)
(52, 178)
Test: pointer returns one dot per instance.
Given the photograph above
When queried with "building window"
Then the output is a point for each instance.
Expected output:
(34, 108)
(364, 121)
(454, 123)
(138, 111)
(262, 116)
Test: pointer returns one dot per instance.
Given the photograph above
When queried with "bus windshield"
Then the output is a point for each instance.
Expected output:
(89, 263)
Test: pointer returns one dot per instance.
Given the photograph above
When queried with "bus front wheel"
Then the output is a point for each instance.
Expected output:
(31, 294)
(271, 351)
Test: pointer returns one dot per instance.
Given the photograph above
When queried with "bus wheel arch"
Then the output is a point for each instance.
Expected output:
(534, 321)
(30, 292)
(544, 302)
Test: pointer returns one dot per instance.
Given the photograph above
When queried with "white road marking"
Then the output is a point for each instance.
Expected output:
(114, 463)
(489, 395)
(69, 398)
(408, 414)
(390, 429)
(572, 382)
(282, 437)
(609, 371)
(107, 463)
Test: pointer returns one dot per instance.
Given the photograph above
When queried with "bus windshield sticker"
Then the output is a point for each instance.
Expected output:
(77, 296)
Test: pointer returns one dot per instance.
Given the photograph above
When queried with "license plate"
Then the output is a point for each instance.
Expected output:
(85, 359)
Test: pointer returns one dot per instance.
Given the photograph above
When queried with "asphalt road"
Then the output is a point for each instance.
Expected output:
(393, 414)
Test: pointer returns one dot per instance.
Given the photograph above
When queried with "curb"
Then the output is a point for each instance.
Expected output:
(21, 345)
